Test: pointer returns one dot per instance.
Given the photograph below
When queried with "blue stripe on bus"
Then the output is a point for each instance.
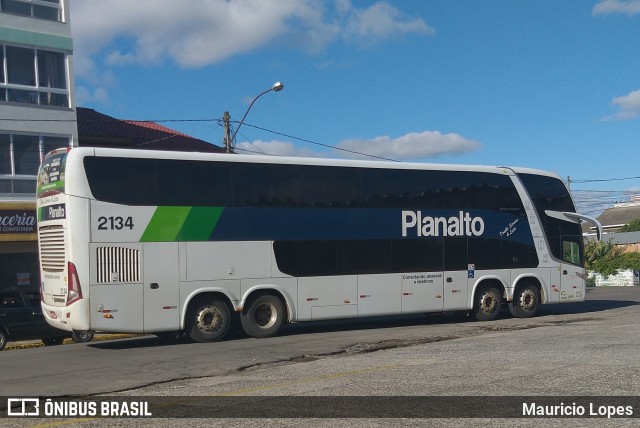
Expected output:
(268, 224)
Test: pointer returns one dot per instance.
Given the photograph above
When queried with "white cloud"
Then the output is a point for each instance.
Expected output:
(191, 32)
(628, 105)
(414, 145)
(195, 33)
(86, 96)
(627, 7)
(277, 148)
(382, 21)
(411, 146)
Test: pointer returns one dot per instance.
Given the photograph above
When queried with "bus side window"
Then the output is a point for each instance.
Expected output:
(571, 252)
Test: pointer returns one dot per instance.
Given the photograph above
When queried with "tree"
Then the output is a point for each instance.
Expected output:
(633, 226)
(606, 258)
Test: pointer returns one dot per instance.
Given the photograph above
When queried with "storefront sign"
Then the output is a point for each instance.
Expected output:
(17, 221)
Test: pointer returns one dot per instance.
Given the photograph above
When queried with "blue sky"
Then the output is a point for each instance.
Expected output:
(548, 84)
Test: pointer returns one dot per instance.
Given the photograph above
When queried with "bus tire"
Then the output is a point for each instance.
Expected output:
(82, 336)
(263, 316)
(488, 301)
(3, 339)
(208, 321)
(526, 301)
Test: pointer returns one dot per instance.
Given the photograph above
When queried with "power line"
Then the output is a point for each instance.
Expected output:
(600, 180)
(107, 120)
(219, 122)
(320, 144)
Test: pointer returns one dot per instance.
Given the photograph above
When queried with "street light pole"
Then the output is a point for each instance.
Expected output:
(277, 87)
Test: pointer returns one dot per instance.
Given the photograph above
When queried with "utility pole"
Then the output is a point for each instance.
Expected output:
(227, 132)
(568, 183)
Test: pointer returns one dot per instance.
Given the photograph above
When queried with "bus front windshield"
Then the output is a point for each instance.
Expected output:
(564, 237)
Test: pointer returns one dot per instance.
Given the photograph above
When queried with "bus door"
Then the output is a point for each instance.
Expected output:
(571, 285)
(456, 286)
(161, 286)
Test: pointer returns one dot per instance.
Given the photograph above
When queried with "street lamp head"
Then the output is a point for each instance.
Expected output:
(277, 87)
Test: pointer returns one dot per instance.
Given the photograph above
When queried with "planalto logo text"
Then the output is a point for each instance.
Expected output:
(415, 224)
(56, 212)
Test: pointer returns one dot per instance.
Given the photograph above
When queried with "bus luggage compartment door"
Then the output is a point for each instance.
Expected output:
(161, 287)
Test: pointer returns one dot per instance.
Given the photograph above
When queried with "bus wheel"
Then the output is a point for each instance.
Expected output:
(208, 321)
(82, 336)
(263, 317)
(487, 304)
(3, 339)
(526, 301)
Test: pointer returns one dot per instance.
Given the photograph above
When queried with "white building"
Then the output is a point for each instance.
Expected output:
(37, 114)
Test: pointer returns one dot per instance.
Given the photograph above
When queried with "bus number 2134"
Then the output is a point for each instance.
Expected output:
(115, 223)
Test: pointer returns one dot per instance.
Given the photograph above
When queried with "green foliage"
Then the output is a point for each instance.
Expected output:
(630, 261)
(633, 226)
(606, 258)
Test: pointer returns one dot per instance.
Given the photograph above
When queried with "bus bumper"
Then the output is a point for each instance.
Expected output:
(68, 318)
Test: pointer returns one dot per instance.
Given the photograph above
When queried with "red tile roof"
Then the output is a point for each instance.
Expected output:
(99, 130)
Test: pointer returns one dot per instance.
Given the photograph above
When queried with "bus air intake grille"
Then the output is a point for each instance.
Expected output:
(117, 264)
(52, 250)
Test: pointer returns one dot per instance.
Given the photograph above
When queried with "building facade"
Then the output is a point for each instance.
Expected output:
(37, 114)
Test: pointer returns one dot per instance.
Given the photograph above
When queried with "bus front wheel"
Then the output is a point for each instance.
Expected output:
(525, 302)
(487, 304)
(208, 321)
(263, 316)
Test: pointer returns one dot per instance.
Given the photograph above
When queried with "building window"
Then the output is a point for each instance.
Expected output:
(20, 158)
(43, 9)
(26, 154)
(34, 76)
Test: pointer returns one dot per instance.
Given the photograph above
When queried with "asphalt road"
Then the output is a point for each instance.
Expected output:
(588, 349)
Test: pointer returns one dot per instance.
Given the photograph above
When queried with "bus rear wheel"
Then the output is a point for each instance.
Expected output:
(82, 336)
(526, 301)
(263, 316)
(208, 321)
(487, 303)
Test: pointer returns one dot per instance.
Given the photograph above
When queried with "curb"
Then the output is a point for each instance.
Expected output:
(67, 341)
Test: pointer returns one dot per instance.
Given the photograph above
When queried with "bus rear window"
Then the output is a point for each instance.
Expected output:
(51, 174)
(126, 181)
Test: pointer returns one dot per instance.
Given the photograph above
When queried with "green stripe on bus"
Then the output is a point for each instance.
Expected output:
(165, 225)
(200, 223)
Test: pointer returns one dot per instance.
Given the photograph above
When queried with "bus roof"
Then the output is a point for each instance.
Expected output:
(266, 159)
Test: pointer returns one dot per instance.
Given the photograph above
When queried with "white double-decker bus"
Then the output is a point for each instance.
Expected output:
(168, 242)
